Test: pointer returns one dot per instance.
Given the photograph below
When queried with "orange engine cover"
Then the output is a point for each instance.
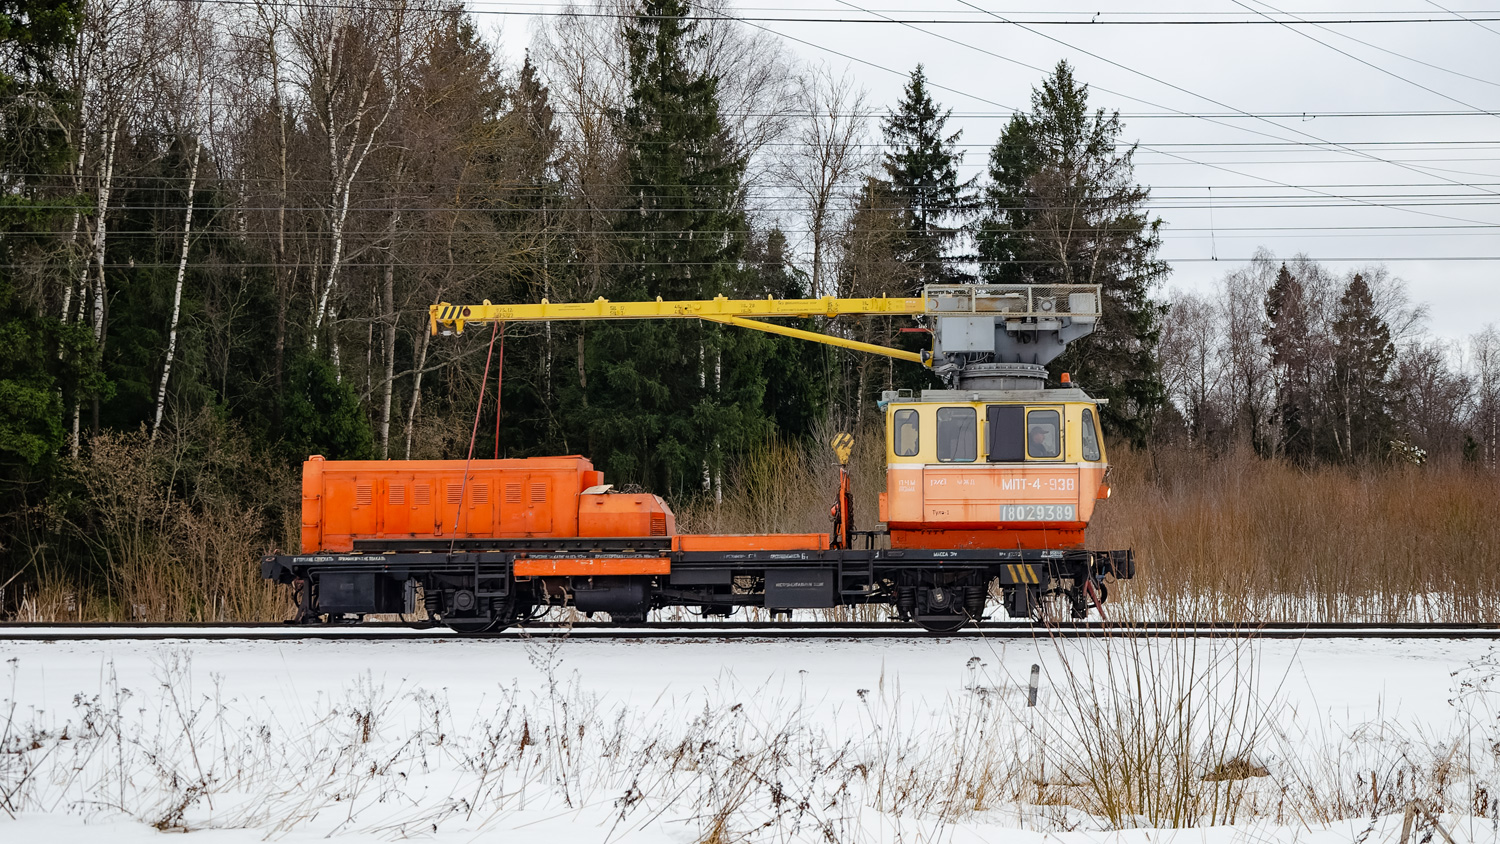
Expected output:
(346, 500)
(619, 514)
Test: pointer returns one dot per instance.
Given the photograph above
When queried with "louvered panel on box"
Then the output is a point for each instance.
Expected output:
(480, 513)
(512, 493)
(362, 516)
(539, 513)
(395, 517)
(423, 515)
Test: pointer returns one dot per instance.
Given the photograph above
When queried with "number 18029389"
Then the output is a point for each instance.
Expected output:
(1038, 512)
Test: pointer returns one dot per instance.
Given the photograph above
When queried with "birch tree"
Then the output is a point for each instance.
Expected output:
(348, 61)
(117, 50)
(1484, 368)
(187, 82)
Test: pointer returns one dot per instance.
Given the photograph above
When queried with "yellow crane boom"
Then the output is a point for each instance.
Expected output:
(745, 313)
(973, 312)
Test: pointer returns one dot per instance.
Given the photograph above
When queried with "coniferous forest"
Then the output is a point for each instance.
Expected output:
(222, 224)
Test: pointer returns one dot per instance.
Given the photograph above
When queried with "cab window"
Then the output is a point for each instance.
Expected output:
(1090, 437)
(1043, 434)
(957, 435)
(906, 433)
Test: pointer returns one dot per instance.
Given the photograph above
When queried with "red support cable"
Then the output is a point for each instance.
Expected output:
(499, 397)
(474, 433)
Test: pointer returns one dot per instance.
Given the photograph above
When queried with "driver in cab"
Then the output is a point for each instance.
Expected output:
(1041, 441)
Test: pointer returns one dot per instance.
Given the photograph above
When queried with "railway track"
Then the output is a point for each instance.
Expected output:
(381, 631)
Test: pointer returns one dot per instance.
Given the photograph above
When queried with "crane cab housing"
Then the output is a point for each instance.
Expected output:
(991, 468)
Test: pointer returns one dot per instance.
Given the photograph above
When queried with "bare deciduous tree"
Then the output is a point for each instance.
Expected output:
(186, 81)
(828, 156)
(349, 62)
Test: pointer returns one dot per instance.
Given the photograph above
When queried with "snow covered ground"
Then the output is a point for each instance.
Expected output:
(694, 739)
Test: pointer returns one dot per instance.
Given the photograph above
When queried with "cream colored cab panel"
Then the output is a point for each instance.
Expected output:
(1050, 464)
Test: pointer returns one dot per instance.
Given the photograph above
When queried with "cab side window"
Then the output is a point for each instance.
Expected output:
(1043, 434)
(906, 432)
(957, 435)
(1090, 437)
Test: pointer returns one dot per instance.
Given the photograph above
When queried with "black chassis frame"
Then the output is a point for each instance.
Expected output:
(715, 581)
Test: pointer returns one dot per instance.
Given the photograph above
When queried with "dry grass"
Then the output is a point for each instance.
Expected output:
(1233, 537)
(1158, 732)
(1218, 537)
(788, 487)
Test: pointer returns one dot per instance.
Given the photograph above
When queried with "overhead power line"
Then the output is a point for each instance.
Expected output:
(1475, 21)
(1094, 19)
(1175, 87)
(1391, 73)
(1168, 84)
(1413, 59)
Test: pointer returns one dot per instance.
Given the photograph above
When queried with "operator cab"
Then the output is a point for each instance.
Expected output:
(991, 468)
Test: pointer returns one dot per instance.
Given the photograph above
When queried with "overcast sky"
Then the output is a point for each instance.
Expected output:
(1352, 159)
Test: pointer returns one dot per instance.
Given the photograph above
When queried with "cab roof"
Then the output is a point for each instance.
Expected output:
(1059, 394)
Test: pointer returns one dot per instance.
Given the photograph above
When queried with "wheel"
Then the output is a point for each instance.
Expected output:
(946, 623)
(474, 626)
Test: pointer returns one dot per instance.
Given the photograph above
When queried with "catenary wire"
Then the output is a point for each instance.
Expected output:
(1475, 21)
(1391, 73)
(1181, 89)
(1413, 59)
(1148, 76)
(544, 11)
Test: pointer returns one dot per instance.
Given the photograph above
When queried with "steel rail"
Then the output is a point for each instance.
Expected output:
(667, 630)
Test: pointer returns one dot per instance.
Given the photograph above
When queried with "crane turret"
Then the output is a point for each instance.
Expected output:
(1002, 336)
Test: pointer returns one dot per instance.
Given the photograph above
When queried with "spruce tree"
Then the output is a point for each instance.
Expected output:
(921, 165)
(527, 162)
(44, 361)
(1288, 336)
(668, 401)
(795, 370)
(1063, 207)
(1361, 391)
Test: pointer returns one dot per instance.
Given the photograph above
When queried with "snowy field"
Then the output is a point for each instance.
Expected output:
(693, 740)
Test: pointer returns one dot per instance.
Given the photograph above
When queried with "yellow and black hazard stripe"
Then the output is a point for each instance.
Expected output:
(448, 313)
(1022, 573)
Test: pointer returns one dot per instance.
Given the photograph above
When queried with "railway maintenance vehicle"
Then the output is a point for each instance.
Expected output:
(990, 482)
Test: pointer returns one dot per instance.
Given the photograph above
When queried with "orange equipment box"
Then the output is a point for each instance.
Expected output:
(345, 500)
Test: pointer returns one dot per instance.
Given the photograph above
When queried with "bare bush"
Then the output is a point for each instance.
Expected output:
(173, 540)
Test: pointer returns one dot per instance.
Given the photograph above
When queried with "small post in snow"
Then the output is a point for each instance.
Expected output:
(1036, 677)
